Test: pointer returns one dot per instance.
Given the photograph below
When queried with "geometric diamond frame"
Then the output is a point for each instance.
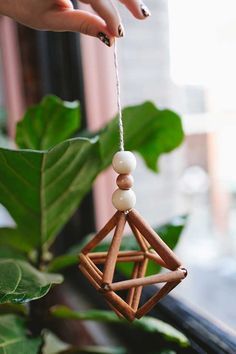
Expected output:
(152, 247)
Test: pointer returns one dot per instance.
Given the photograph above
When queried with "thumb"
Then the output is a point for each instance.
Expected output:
(80, 21)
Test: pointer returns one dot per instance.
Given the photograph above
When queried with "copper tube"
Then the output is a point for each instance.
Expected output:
(85, 262)
(138, 290)
(112, 254)
(89, 277)
(120, 254)
(102, 233)
(130, 295)
(93, 265)
(120, 305)
(141, 241)
(175, 275)
(155, 241)
(115, 310)
(157, 259)
(155, 298)
(120, 259)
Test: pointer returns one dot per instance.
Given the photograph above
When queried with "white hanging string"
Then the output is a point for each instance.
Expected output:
(120, 118)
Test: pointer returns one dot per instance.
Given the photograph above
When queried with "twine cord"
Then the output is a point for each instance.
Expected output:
(120, 117)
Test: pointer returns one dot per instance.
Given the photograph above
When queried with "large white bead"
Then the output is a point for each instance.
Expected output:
(124, 162)
(123, 200)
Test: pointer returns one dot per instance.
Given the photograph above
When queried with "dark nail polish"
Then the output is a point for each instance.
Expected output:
(145, 10)
(121, 31)
(103, 37)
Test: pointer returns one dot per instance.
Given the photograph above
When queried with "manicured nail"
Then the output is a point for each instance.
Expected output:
(145, 10)
(121, 31)
(103, 37)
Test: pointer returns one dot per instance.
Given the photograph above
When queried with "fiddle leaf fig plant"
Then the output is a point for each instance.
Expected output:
(14, 338)
(43, 182)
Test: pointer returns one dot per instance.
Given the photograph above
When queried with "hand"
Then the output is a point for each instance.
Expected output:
(59, 15)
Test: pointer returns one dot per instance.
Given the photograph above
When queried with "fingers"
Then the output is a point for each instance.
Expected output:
(80, 21)
(106, 26)
(106, 10)
(137, 8)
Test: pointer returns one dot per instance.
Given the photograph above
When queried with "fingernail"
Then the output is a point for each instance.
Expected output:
(121, 31)
(103, 37)
(145, 10)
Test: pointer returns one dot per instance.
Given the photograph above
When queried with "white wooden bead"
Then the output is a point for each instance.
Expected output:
(123, 200)
(124, 162)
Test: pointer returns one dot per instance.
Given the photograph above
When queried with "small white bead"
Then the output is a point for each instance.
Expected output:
(123, 200)
(124, 162)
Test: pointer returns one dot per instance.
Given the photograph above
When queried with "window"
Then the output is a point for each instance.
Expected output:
(188, 64)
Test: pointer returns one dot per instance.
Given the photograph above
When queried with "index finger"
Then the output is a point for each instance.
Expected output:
(137, 8)
(108, 12)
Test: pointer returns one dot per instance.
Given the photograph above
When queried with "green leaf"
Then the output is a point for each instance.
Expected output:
(18, 309)
(14, 338)
(146, 324)
(52, 344)
(13, 238)
(48, 123)
(170, 233)
(148, 130)
(7, 252)
(41, 190)
(95, 350)
(62, 262)
(20, 282)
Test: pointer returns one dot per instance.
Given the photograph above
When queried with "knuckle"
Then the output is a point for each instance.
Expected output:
(85, 27)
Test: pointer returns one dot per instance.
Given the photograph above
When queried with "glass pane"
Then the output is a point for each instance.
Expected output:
(183, 57)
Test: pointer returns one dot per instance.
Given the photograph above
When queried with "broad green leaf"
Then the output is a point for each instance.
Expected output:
(14, 338)
(52, 344)
(95, 350)
(41, 190)
(48, 123)
(146, 324)
(13, 238)
(62, 262)
(17, 309)
(20, 282)
(148, 130)
(170, 233)
(7, 252)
